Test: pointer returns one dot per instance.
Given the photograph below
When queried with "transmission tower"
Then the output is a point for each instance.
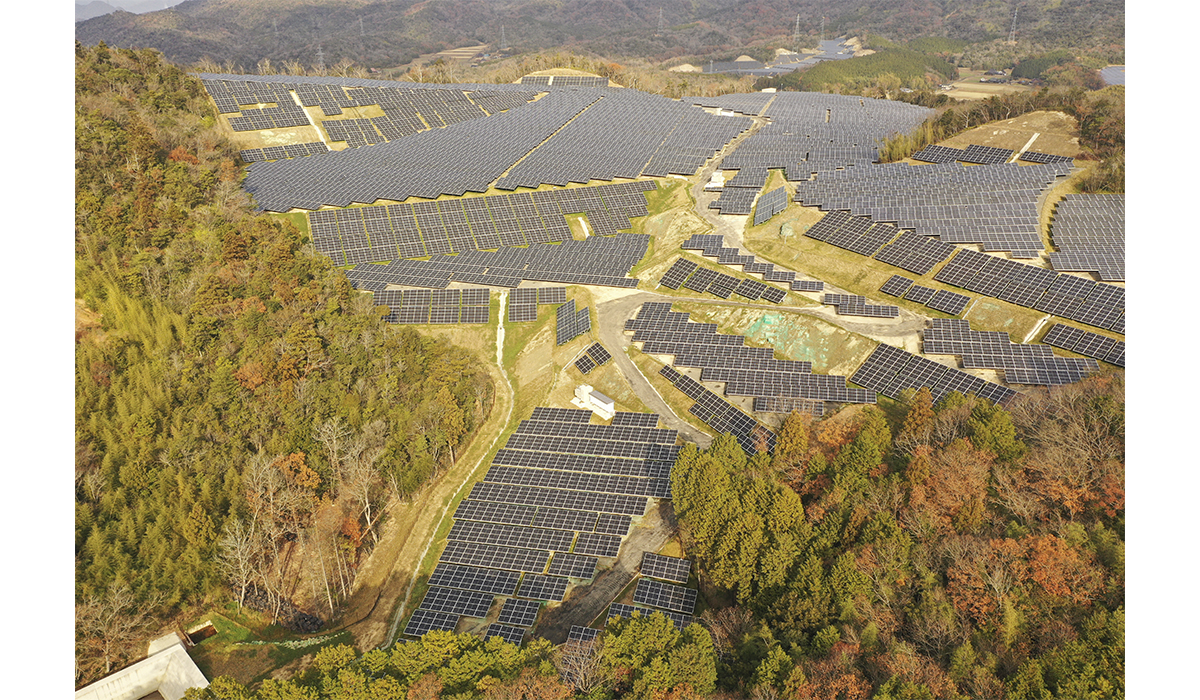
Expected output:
(503, 41)
(1012, 33)
(660, 21)
(320, 59)
(796, 33)
(822, 29)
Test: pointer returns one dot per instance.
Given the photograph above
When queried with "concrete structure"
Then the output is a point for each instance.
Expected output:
(167, 670)
(588, 398)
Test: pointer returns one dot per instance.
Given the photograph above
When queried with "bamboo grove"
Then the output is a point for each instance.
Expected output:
(241, 413)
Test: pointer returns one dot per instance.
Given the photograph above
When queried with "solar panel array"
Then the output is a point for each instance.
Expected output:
(1089, 234)
(1060, 294)
(523, 302)
(230, 95)
(995, 206)
(627, 611)
(406, 110)
(720, 415)
(594, 356)
(291, 150)
(521, 613)
(814, 132)
(657, 594)
(667, 568)
(565, 80)
(855, 305)
(599, 260)
(746, 371)
(938, 154)
(560, 493)
(580, 633)
(769, 205)
(1035, 157)
(570, 323)
(510, 634)
(423, 621)
(390, 232)
(713, 246)
(1086, 343)
(948, 302)
(890, 370)
(986, 155)
(570, 134)
(736, 201)
(437, 306)
(856, 234)
(896, 285)
(1021, 364)
(626, 134)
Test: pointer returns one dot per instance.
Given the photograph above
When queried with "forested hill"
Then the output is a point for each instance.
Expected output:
(241, 412)
(386, 34)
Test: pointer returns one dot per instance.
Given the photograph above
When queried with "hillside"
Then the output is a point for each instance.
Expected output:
(385, 34)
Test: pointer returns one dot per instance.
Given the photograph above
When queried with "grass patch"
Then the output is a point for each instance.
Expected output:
(248, 648)
(300, 220)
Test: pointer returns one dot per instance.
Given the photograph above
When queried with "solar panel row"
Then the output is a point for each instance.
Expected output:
(890, 370)
(1068, 296)
(1086, 343)
(1021, 364)
(995, 206)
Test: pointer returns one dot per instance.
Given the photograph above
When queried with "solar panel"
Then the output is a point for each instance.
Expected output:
(677, 273)
(457, 601)
(585, 364)
(948, 302)
(597, 544)
(510, 634)
(896, 285)
(573, 565)
(613, 524)
(494, 556)
(774, 295)
(543, 587)
(666, 568)
(473, 578)
(665, 595)
(599, 354)
(579, 633)
(627, 611)
(521, 613)
(423, 621)
(522, 313)
(920, 295)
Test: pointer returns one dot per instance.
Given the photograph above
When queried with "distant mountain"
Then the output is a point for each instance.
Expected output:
(382, 34)
(96, 8)
(92, 9)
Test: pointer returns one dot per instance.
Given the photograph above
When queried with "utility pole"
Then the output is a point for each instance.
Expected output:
(1012, 33)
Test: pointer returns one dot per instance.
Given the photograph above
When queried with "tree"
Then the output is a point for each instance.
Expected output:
(237, 551)
(107, 626)
(791, 441)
